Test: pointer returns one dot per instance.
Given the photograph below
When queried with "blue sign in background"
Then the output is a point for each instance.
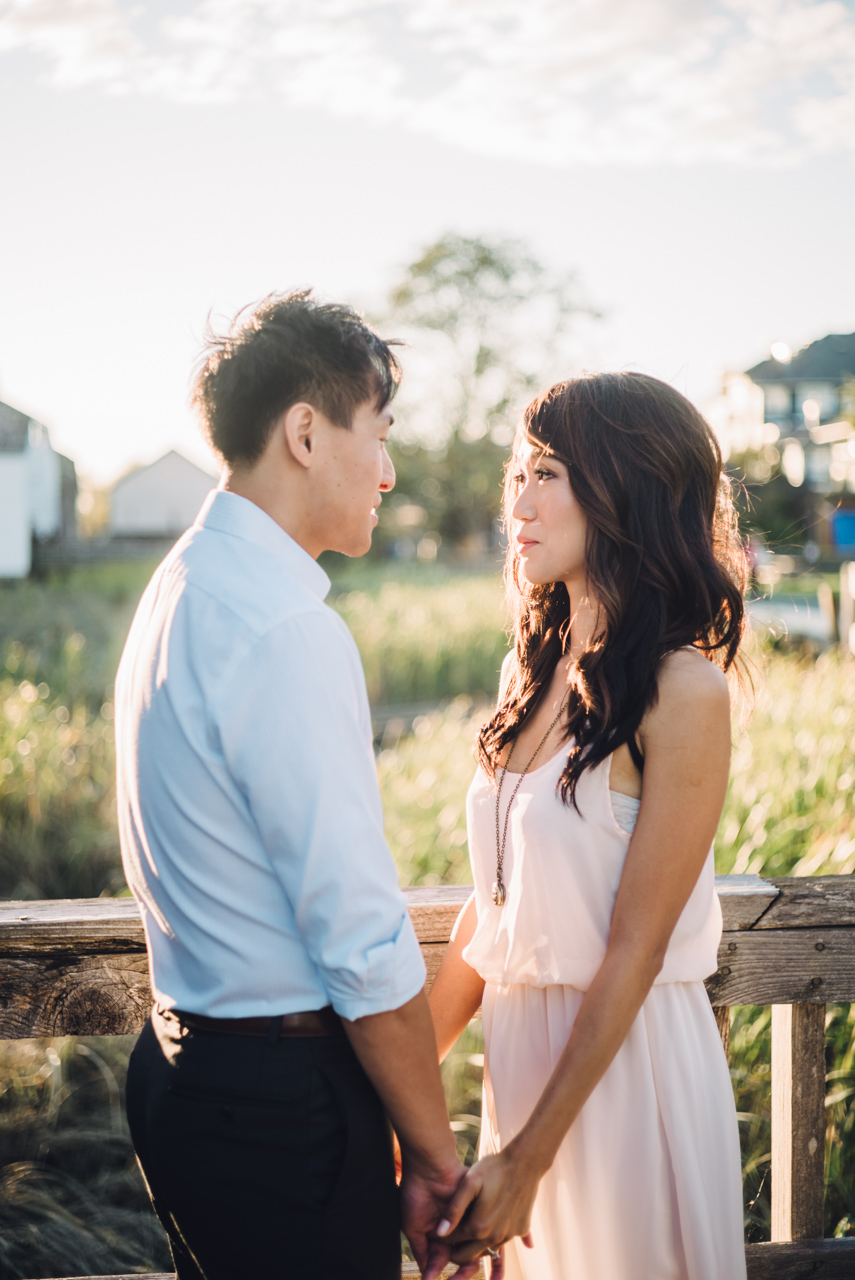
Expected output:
(843, 530)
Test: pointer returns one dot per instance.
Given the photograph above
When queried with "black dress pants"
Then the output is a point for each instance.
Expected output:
(264, 1159)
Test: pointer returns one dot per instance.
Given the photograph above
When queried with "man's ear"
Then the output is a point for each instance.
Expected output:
(299, 427)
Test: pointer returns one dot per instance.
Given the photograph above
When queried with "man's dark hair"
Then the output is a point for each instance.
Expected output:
(286, 349)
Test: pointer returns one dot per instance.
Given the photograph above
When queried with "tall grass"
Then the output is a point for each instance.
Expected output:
(420, 644)
(58, 834)
(72, 1199)
(789, 807)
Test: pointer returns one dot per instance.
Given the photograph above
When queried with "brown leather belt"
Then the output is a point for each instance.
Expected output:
(311, 1022)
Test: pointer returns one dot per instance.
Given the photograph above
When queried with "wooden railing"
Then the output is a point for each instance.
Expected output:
(79, 967)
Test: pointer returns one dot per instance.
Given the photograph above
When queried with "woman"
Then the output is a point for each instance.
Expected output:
(609, 1131)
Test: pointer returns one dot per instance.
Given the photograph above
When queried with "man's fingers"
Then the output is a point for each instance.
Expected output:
(419, 1246)
(471, 1269)
(467, 1190)
(437, 1258)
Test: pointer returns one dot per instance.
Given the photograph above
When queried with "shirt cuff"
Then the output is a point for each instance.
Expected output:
(399, 976)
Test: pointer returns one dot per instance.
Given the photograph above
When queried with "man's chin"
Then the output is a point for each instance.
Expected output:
(354, 547)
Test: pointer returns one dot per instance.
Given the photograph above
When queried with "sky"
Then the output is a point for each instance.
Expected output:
(693, 161)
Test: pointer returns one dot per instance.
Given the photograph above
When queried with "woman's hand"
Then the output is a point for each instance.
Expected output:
(492, 1205)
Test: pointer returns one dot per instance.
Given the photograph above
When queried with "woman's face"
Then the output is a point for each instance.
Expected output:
(548, 526)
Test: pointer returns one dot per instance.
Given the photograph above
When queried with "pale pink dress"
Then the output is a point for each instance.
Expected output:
(647, 1182)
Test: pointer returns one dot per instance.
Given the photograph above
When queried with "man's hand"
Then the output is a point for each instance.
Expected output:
(425, 1196)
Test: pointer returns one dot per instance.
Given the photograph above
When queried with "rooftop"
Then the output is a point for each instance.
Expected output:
(13, 429)
(830, 359)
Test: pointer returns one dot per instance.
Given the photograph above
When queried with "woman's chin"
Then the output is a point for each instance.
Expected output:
(532, 576)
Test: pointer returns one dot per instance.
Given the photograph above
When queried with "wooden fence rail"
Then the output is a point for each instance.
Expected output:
(79, 967)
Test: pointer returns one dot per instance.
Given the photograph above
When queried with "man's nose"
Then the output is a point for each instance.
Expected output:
(388, 479)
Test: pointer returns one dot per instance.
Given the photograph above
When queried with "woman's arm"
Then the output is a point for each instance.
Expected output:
(455, 996)
(686, 742)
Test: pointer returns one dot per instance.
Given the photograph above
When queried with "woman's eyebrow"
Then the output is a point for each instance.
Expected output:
(528, 452)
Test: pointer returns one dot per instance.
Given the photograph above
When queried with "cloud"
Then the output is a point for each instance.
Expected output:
(82, 41)
(553, 81)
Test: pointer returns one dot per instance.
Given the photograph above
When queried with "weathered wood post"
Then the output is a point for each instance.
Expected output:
(827, 609)
(846, 617)
(798, 1121)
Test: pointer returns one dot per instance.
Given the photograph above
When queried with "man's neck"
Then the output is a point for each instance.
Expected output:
(274, 500)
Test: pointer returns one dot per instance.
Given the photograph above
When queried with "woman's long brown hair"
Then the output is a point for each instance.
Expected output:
(663, 560)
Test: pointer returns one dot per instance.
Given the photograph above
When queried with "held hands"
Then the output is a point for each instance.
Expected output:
(458, 1216)
(492, 1204)
(425, 1195)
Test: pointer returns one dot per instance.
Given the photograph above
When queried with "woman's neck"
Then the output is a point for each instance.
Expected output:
(584, 613)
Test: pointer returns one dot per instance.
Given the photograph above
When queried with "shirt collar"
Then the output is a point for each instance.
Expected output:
(230, 513)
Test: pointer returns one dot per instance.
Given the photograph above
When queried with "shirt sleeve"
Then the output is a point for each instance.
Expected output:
(295, 731)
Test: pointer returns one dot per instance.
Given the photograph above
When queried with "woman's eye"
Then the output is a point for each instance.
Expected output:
(518, 478)
(543, 473)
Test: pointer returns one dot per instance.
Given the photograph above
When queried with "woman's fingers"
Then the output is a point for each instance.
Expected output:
(468, 1251)
(528, 1240)
(497, 1266)
(467, 1191)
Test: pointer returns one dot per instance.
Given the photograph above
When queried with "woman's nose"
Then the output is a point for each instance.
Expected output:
(523, 507)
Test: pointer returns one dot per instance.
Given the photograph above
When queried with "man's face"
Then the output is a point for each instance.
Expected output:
(355, 472)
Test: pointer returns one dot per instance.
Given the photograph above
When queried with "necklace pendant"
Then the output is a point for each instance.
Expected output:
(498, 893)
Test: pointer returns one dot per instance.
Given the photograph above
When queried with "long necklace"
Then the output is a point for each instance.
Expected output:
(499, 893)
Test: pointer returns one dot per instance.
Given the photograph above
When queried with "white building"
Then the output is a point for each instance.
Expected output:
(736, 416)
(160, 500)
(31, 490)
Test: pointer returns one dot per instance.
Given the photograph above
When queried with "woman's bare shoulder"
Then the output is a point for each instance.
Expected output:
(690, 667)
(690, 687)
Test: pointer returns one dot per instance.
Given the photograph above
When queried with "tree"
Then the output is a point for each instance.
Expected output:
(487, 325)
(767, 503)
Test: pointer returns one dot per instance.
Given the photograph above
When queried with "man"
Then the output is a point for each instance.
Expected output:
(290, 1018)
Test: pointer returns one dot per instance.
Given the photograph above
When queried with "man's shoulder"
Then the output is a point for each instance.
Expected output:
(246, 583)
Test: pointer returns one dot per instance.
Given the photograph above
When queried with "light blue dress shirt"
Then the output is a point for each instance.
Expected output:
(249, 811)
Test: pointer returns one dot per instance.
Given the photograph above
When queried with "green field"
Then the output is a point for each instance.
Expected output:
(433, 639)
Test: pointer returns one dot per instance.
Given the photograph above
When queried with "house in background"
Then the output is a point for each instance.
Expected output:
(810, 388)
(38, 488)
(160, 500)
(809, 399)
